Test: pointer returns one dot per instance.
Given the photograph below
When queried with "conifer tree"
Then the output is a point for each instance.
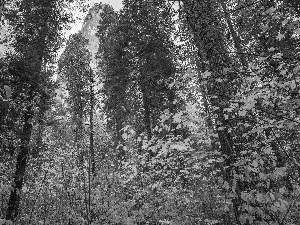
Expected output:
(37, 26)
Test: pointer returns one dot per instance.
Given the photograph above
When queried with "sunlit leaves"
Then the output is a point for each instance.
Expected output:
(8, 91)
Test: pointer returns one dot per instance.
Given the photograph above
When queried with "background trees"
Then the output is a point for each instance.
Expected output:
(166, 112)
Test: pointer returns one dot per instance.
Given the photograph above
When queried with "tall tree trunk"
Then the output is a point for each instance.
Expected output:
(119, 139)
(244, 62)
(78, 138)
(14, 199)
(34, 51)
(92, 152)
(236, 39)
(147, 113)
(203, 22)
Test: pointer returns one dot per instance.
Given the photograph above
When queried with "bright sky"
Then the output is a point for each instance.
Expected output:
(116, 4)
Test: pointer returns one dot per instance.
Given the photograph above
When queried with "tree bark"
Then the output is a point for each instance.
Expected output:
(205, 26)
(236, 39)
(147, 115)
(14, 199)
(92, 152)
(2, 4)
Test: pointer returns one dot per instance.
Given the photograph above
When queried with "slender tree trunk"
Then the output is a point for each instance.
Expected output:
(236, 39)
(147, 112)
(86, 203)
(2, 4)
(45, 209)
(92, 152)
(147, 118)
(244, 62)
(78, 138)
(14, 199)
(119, 139)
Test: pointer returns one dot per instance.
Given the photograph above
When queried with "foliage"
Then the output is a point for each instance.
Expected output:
(191, 115)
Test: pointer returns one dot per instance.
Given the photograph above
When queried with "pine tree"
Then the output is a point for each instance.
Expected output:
(154, 66)
(74, 71)
(37, 26)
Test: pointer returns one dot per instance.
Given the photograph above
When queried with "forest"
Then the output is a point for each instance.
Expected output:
(165, 112)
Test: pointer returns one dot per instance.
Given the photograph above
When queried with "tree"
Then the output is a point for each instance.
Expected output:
(115, 71)
(74, 71)
(37, 30)
(251, 113)
(220, 85)
(154, 63)
(2, 4)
